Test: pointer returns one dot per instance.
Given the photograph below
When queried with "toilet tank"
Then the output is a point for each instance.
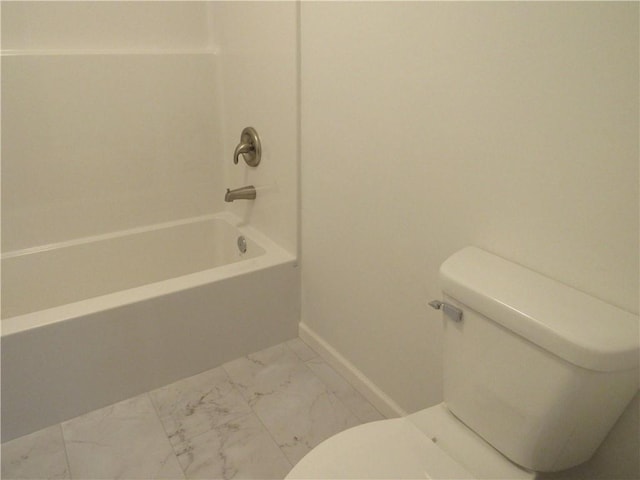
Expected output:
(538, 369)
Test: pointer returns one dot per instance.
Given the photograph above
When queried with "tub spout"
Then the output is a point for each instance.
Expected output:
(242, 193)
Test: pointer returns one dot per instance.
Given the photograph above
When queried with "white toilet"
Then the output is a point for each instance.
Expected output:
(535, 375)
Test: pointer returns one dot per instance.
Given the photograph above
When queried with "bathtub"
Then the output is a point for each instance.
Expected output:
(93, 321)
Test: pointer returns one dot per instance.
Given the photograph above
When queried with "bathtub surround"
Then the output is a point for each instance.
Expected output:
(69, 26)
(222, 423)
(101, 142)
(117, 124)
(107, 118)
(132, 119)
(430, 126)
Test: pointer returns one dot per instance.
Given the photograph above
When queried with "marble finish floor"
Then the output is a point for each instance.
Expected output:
(253, 417)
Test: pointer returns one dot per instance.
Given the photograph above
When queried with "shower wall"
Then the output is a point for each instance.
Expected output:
(259, 75)
(121, 114)
(110, 118)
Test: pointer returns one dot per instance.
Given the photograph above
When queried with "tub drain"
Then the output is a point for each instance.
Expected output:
(242, 244)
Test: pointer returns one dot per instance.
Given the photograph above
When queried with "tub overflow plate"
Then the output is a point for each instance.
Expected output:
(242, 244)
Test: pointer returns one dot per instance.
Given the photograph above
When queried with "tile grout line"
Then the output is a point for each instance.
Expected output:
(315, 354)
(327, 387)
(321, 359)
(364, 399)
(212, 428)
(66, 453)
(155, 409)
(255, 414)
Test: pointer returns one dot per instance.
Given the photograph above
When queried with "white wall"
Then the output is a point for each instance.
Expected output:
(429, 126)
(110, 118)
(258, 54)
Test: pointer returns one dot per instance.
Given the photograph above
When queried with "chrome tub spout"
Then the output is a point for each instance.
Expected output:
(242, 193)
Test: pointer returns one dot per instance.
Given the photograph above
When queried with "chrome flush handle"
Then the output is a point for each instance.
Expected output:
(454, 313)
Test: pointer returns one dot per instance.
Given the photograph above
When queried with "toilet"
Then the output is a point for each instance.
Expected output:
(535, 375)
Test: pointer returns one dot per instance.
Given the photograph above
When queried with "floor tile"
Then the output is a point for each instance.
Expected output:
(253, 417)
(351, 398)
(262, 372)
(197, 404)
(38, 455)
(124, 440)
(301, 349)
(241, 448)
(297, 408)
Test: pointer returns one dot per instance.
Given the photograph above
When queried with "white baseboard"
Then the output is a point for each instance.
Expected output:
(359, 380)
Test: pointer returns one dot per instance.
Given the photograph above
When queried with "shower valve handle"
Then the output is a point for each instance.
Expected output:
(249, 148)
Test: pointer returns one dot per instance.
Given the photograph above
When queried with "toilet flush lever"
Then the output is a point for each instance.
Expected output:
(449, 310)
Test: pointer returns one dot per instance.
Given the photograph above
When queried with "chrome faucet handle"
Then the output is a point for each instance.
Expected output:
(249, 147)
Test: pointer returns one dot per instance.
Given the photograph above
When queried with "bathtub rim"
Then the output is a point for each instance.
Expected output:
(273, 255)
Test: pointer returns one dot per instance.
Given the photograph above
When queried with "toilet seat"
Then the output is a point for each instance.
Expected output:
(431, 443)
(385, 449)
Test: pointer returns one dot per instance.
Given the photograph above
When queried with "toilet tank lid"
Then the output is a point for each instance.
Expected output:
(577, 327)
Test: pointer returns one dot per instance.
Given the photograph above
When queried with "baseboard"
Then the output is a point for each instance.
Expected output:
(359, 380)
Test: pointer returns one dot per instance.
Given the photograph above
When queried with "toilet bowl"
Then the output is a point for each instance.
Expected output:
(535, 375)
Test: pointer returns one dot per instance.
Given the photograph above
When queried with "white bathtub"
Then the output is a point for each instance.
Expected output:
(90, 322)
